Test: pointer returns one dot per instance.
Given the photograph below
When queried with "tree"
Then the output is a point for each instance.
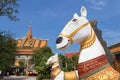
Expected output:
(7, 50)
(21, 66)
(75, 61)
(8, 8)
(68, 64)
(64, 62)
(40, 58)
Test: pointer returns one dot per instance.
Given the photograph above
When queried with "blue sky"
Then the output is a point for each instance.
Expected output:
(48, 18)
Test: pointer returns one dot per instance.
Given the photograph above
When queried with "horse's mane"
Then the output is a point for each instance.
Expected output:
(98, 32)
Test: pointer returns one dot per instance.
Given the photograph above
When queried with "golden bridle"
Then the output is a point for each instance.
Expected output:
(86, 42)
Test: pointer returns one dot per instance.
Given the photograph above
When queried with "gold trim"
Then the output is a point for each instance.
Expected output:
(88, 42)
(79, 28)
(88, 36)
(70, 75)
(85, 43)
(75, 31)
(55, 71)
(56, 63)
(106, 74)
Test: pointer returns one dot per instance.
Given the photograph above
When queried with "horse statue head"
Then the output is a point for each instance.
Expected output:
(75, 31)
(52, 59)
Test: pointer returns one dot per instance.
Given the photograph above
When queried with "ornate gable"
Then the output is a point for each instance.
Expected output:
(29, 43)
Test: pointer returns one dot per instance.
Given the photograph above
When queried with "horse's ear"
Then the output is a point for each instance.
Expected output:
(75, 15)
(83, 11)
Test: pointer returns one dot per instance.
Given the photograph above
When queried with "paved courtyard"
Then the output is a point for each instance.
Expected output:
(19, 78)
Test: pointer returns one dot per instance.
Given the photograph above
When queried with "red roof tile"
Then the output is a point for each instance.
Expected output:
(70, 54)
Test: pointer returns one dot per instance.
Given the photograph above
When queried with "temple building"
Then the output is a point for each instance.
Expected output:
(26, 47)
(115, 49)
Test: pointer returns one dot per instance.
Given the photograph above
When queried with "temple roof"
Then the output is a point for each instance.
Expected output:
(28, 43)
(29, 33)
(115, 48)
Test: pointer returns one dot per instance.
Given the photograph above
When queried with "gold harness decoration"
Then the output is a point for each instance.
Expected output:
(85, 43)
(56, 70)
(70, 75)
(88, 41)
(75, 31)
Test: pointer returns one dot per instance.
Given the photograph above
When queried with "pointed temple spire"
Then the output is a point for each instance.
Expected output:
(29, 33)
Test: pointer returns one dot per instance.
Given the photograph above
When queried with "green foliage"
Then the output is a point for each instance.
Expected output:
(21, 64)
(68, 64)
(75, 61)
(8, 8)
(40, 58)
(7, 50)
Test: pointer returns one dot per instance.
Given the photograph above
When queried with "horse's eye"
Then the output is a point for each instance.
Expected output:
(74, 20)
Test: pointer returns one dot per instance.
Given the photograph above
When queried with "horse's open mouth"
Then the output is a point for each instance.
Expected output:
(64, 47)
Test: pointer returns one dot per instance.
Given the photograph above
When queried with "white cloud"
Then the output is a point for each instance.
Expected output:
(97, 4)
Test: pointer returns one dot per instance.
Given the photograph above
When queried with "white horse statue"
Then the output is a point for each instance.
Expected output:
(92, 63)
(57, 73)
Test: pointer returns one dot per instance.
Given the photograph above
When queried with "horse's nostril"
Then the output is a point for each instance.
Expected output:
(59, 40)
